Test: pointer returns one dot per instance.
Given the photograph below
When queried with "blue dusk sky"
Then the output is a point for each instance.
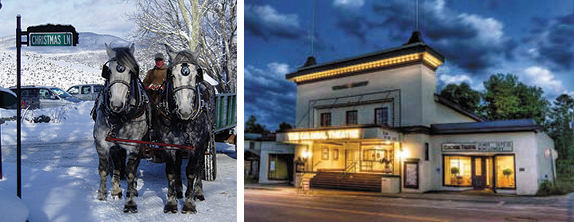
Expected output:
(531, 39)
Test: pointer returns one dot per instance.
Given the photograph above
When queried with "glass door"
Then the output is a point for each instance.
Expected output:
(351, 160)
(479, 172)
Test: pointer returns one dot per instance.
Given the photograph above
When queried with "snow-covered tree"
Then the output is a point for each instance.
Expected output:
(210, 25)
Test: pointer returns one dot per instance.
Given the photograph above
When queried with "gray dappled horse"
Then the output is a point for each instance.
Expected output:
(186, 116)
(122, 111)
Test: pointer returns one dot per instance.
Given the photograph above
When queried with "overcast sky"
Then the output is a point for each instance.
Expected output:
(98, 16)
(532, 39)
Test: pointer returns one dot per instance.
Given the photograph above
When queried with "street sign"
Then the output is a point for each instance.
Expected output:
(50, 39)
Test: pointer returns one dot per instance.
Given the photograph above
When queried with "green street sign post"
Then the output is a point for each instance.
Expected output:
(42, 35)
(50, 39)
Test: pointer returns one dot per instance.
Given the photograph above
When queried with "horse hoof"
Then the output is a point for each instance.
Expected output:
(199, 197)
(172, 208)
(101, 197)
(130, 209)
(118, 195)
(188, 208)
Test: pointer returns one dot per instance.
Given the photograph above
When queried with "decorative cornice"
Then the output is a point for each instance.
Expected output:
(421, 57)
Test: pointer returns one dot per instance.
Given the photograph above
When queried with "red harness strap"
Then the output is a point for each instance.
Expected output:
(126, 141)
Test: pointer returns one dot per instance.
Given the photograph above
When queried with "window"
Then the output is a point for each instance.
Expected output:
(457, 171)
(325, 119)
(325, 153)
(279, 166)
(86, 89)
(335, 154)
(45, 94)
(352, 117)
(98, 88)
(382, 116)
(74, 90)
(427, 157)
(504, 167)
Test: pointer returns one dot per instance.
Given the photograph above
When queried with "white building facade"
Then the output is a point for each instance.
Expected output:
(378, 115)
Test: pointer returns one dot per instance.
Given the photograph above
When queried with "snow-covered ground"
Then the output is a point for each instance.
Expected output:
(60, 178)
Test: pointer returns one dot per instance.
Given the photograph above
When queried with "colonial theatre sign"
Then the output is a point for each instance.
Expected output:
(338, 134)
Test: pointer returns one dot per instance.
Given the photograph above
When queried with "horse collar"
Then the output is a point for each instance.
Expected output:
(132, 111)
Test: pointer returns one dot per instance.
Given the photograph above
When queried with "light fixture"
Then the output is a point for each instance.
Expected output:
(306, 154)
(403, 154)
(425, 57)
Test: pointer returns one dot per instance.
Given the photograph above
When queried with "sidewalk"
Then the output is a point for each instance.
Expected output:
(564, 201)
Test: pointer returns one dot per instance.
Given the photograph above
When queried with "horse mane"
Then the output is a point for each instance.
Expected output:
(183, 56)
(124, 57)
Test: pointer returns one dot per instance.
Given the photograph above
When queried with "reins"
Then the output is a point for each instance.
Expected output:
(146, 145)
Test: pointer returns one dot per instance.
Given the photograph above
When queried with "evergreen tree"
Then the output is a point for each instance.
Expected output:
(561, 117)
(251, 126)
(285, 126)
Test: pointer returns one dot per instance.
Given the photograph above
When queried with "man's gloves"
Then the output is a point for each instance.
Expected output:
(155, 87)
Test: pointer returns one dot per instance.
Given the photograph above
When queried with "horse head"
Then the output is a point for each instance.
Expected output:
(184, 74)
(122, 70)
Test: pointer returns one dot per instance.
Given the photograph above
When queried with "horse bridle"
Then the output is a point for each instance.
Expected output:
(110, 84)
(199, 103)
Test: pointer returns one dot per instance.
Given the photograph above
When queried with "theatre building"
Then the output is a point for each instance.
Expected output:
(375, 122)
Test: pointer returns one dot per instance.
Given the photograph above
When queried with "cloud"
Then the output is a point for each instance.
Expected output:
(472, 42)
(553, 42)
(454, 79)
(354, 4)
(546, 80)
(270, 97)
(265, 21)
(353, 20)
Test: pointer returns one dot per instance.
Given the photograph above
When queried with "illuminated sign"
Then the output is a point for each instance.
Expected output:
(499, 146)
(325, 135)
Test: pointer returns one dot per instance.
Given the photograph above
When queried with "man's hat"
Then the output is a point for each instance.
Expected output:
(159, 56)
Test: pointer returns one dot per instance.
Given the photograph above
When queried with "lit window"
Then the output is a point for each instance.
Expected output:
(505, 172)
(352, 117)
(325, 119)
(457, 171)
(382, 116)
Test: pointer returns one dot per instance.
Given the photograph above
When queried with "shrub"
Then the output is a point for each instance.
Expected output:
(251, 179)
(545, 189)
(41, 119)
(548, 188)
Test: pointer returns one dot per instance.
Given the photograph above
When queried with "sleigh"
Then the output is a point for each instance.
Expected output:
(225, 123)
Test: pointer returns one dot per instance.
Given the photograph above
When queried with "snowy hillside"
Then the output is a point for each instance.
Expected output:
(62, 66)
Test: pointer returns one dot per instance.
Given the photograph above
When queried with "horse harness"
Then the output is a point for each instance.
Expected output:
(167, 108)
(134, 110)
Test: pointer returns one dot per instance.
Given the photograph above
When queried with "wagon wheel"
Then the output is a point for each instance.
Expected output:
(210, 166)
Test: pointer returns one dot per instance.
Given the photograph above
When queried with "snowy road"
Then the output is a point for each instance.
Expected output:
(74, 180)
(60, 178)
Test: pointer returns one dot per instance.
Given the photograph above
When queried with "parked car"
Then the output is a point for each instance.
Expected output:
(34, 97)
(86, 92)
